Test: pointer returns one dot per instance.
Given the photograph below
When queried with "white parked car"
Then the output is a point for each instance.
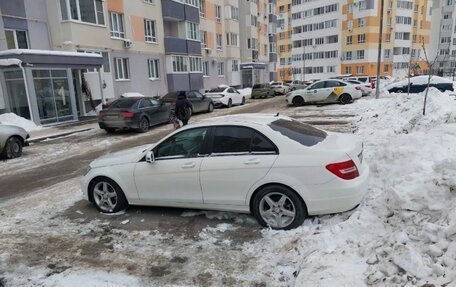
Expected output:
(274, 167)
(280, 88)
(365, 89)
(326, 91)
(225, 96)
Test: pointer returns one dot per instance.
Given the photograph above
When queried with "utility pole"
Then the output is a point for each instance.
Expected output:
(303, 60)
(379, 58)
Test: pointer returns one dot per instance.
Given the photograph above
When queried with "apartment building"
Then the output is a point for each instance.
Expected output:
(284, 41)
(443, 36)
(341, 37)
(316, 38)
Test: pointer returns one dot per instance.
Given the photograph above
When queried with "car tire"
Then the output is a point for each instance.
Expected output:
(110, 130)
(243, 101)
(13, 148)
(400, 91)
(143, 125)
(345, 99)
(278, 207)
(107, 195)
(210, 108)
(298, 101)
(230, 103)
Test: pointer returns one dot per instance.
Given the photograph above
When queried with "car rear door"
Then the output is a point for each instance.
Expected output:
(174, 175)
(240, 157)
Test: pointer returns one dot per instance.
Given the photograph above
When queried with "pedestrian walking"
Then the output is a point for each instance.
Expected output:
(183, 108)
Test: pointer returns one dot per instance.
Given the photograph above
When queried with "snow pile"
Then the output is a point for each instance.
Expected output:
(247, 92)
(15, 120)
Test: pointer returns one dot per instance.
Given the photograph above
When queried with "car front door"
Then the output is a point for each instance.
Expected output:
(316, 92)
(146, 107)
(239, 158)
(162, 110)
(235, 97)
(197, 100)
(174, 175)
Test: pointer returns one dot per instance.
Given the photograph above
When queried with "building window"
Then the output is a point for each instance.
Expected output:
(386, 68)
(360, 70)
(193, 31)
(195, 65)
(202, 8)
(388, 37)
(206, 68)
(233, 13)
(348, 70)
(232, 39)
(122, 70)
(349, 40)
(361, 38)
(331, 69)
(149, 27)
(360, 54)
(192, 2)
(235, 66)
(150, 1)
(179, 64)
(90, 11)
(362, 22)
(348, 55)
(220, 69)
(218, 13)
(218, 40)
(16, 39)
(117, 25)
(203, 39)
(387, 54)
(153, 65)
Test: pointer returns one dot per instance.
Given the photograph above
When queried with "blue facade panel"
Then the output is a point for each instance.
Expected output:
(173, 9)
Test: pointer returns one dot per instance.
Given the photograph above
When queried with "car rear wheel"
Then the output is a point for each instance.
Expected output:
(243, 101)
(298, 101)
(400, 91)
(278, 207)
(230, 103)
(107, 196)
(13, 148)
(210, 109)
(143, 125)
(345, 99)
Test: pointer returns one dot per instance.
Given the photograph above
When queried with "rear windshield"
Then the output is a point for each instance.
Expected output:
(302, 133)
(258, 86)
(169, 97)
(217, 90)
(123, 103)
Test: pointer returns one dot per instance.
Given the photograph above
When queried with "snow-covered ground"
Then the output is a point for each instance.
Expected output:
(402, 234)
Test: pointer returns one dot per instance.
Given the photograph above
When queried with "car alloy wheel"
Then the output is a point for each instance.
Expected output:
(278, 207)
(298, 101)
(210, 109)
(107, 196)
(13, 148)
(277, 210)
(345, 99)
(144, 125)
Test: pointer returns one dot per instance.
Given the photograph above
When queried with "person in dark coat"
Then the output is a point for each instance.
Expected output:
(183, 108)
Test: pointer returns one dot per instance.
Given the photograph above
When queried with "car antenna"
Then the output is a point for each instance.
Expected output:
(277, 115)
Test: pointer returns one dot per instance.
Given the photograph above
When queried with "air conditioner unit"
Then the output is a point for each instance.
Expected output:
(350, 29)
(127, 44)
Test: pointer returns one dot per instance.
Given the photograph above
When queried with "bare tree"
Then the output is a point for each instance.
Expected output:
(430, 63)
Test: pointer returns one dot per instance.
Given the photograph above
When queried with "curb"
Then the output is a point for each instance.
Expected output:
(53, 136)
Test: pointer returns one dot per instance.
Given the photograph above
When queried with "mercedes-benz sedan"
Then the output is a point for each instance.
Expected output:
(274, 167)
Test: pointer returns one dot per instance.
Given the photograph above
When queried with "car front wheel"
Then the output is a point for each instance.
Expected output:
(279, 207)
(107, 195)
(143, 125)
(345, 99)
(243, 101)
(298, 101)
(230, 103)
(210, 108)
(13, 148)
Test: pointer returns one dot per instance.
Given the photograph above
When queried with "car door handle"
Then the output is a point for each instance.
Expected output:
(252, 161)
(189, 165)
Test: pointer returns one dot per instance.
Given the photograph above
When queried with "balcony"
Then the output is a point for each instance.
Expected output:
(174, 45)
(173, 10)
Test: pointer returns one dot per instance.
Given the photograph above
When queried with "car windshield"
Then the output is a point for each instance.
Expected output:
(123, 103)
(299, 132)
(217, 90)
(258, 86)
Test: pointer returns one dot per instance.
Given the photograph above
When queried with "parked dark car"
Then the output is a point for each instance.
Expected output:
(200, 102)
(137, 113)
(418, 84)
(262, 91)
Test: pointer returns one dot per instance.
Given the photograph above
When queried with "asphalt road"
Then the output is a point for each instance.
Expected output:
(42, 176)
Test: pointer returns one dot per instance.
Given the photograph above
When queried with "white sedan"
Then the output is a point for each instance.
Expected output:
(326, 91)
(225, 96)
(274, 167)
(280, 88)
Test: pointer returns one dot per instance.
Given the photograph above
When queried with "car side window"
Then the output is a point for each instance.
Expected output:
(333, 84)
(363, 79)
(261, 144)
(144, 103)
(185, 144)
(197, 95)
(154, 102)
(191, 95)
(319, 85)
(231, 140)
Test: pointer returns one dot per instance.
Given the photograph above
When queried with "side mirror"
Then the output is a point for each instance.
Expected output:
(150, 158)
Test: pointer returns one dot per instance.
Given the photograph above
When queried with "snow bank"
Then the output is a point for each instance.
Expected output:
(247, 92)
(419, 80)
(15, 120)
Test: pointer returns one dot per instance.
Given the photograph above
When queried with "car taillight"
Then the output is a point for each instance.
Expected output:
(345, 170)
(357, 88)
(127, 114)
(368, 85)
(101, 114)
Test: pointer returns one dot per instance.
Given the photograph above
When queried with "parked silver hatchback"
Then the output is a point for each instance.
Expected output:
(12, 140)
